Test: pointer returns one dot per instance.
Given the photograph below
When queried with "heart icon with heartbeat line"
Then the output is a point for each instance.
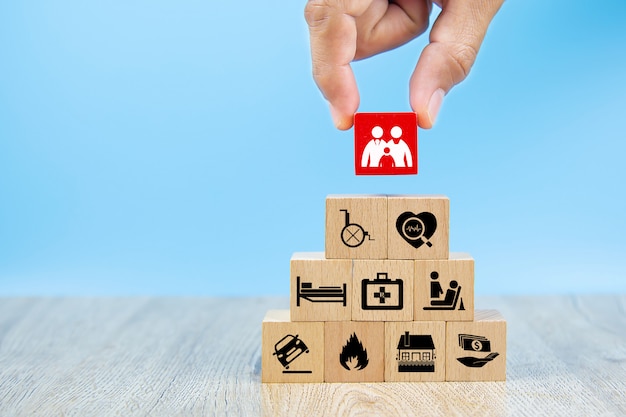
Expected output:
(417, 229)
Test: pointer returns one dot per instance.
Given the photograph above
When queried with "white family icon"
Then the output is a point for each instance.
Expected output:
(381, 154)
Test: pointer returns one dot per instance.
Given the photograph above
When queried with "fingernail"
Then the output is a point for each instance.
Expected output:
(335, 115)
(435, 104)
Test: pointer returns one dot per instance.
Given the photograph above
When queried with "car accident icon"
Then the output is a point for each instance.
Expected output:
(287, 350)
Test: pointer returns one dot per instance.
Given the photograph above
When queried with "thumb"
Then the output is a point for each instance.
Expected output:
(455, 39)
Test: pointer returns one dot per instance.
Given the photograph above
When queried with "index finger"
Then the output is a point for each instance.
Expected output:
(333, 33)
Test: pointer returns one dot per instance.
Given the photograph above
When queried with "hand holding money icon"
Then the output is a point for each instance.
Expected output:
(475, 344)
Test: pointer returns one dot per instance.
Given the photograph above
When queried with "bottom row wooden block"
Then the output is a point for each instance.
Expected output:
(350, 351)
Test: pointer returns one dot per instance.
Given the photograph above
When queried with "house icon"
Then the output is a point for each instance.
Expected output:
(416, 353)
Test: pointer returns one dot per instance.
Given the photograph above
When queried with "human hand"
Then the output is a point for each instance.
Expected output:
(342, 31)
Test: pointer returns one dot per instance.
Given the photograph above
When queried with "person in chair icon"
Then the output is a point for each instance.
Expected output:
(451, 299)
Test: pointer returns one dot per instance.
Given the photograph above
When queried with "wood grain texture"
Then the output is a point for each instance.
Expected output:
(398, 342)
(451, 274)
(368, 337)
(293, 351)
(472, 345)
(380, 294)
(356, 226)
(566, 356)
(405, 225)
(321, 289)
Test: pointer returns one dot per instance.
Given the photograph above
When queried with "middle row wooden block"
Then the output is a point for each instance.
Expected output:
(381, 290)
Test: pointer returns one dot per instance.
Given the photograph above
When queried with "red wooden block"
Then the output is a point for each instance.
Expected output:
(385, 143)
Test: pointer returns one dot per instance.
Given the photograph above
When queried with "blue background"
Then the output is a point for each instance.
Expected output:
(152, 147)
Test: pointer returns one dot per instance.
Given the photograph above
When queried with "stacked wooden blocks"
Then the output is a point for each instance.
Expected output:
(387, 301)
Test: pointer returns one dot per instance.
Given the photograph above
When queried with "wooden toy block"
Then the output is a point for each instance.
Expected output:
(415, 351)
(291, 351)
(320, 288)
(418, 226)
(385, 143)
(444, 289)
(382, 290)
(356, 227)
(354, 351)
(476, 350)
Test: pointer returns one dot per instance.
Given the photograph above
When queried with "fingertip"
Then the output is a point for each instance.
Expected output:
(423, 121)
(427, 115)
(434, 105)
(420, 107)
(341, 120)
(428, 85)
(345, 123)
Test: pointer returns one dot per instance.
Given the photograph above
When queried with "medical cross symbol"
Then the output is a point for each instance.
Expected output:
(382, 295)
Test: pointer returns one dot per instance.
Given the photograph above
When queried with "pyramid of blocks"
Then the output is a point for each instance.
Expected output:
(386, 301)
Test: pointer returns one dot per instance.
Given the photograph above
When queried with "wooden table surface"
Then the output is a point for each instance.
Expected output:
(202, 356)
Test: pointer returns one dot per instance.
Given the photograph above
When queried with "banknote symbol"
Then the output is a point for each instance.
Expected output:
(477, 346)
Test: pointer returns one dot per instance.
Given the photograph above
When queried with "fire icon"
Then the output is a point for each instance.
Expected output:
(352, 352)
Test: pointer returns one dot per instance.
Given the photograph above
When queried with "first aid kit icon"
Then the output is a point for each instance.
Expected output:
(382, 293)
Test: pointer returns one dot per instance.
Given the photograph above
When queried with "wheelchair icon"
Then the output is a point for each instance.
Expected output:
(353, 234)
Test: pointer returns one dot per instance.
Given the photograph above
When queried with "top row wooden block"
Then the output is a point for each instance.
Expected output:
(387, 227)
